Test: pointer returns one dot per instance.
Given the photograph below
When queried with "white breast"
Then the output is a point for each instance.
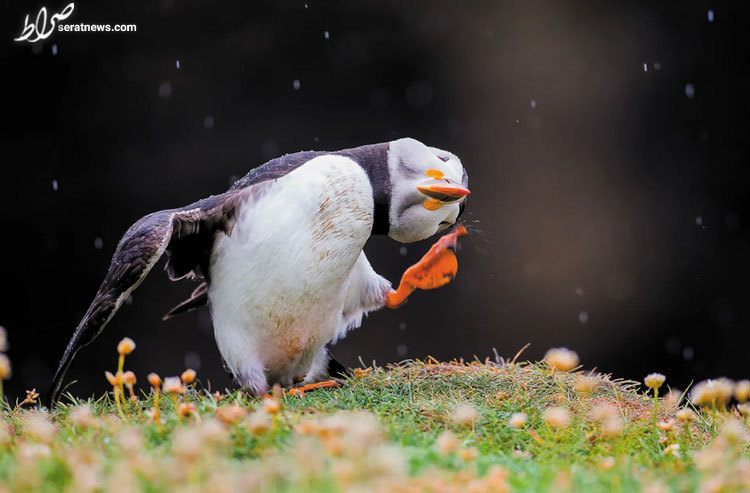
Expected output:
(278, 280)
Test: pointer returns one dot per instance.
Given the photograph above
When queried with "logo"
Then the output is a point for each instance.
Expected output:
(41, 29)
(45, 24)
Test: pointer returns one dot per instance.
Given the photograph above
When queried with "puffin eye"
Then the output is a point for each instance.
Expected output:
(444, 158)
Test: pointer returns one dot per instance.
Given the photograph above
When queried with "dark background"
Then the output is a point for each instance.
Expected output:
(606, 145)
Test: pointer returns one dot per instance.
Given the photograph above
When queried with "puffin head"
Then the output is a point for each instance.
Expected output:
(428, 190)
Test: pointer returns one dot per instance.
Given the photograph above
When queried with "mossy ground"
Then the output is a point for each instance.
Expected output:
(422, 426)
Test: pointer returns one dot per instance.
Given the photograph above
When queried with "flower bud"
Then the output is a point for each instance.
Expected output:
(742, 391)
(113, 381)
(654, 380)
(187, 377)
(126, 346)
(686, 415)
(129, 378)
(557, 417)
(561, 359)
(154, 379)
(5, 371)
(271, 406)
(518, 420)
(173, 385)
(186, 409)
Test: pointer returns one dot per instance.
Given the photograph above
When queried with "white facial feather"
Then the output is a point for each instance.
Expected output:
(408, 162)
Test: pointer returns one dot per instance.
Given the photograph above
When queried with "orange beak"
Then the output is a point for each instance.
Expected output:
(443, 190)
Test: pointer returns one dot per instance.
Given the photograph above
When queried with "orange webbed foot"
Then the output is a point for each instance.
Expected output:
(300, 391)
(436, 268)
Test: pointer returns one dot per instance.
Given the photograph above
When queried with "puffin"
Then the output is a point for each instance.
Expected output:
(279, 256)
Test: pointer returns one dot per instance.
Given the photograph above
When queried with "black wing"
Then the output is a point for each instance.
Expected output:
(185, 234)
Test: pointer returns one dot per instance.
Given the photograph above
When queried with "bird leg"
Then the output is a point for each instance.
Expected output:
(436, 268)
(300, 391)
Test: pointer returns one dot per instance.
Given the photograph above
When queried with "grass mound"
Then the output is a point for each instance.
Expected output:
(422, 426)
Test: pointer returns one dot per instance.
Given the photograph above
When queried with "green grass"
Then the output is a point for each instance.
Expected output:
(380, 432)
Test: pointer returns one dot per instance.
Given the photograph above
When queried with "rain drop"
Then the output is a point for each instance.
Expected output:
(98, 243)
(55, 186)
(689, 90)
(165, 89)
(672, 345)
(710, 16)
(699, 221)
(54, 49)
(208, 122)
(402, 251)
(401, 350)
(532, 268)
(296, 84)
(732, 221)
(533, 103)
(402, 326)
(418, 93)
(193, 360)
(326, 34)
(269, 149)
(178, 64)
(583, 317)
(688, 353)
